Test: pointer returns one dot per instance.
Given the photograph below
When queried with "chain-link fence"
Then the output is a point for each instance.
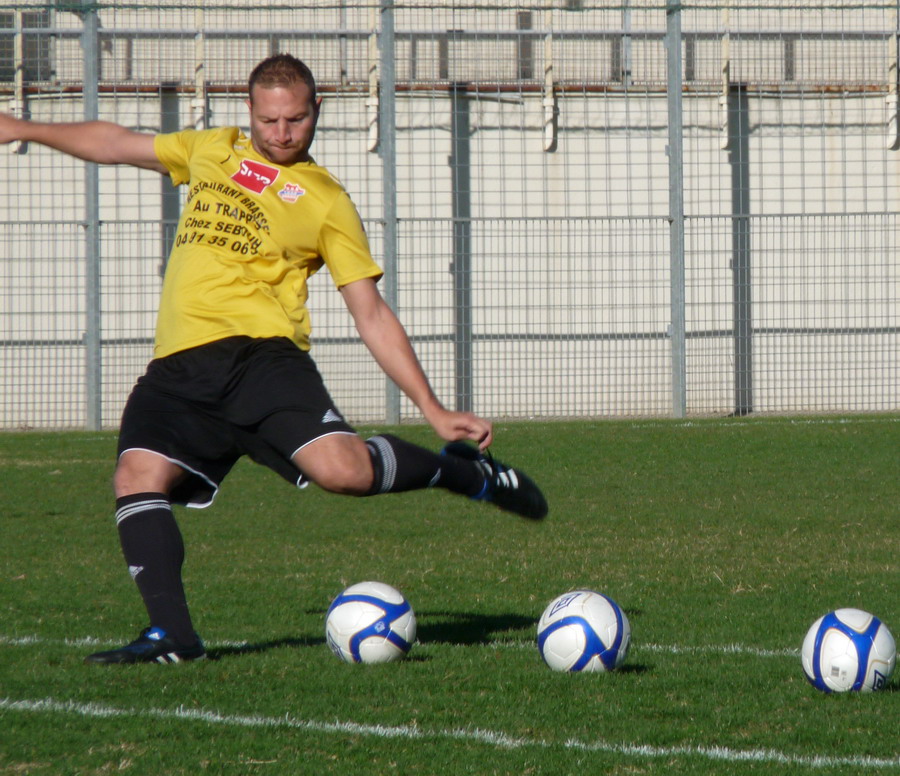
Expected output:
(584, 208)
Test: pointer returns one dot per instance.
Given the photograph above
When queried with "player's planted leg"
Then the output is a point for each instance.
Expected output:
(154, 645)
(154, 551)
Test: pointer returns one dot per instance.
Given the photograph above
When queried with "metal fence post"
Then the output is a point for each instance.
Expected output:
(461, 268)
(387, 118)
(93, 357)
(741, 248)
(676, 207)
(170, 210)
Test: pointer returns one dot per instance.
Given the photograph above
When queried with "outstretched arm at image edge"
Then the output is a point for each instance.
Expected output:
(102, 142)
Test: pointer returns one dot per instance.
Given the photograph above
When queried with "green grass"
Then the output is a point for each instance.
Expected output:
(722, 539)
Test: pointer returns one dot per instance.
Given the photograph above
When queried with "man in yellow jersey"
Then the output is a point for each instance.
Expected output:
(231, 373)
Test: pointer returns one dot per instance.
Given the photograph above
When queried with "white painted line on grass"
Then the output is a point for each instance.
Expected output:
(716, 649)
(672, 649)
(93, 641)
(760, 420)
(30, 641)
(477, 735)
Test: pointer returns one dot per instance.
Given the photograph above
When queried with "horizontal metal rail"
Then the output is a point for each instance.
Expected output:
(799, 331)
(307, 33)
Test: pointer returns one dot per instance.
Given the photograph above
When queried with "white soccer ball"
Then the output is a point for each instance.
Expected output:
(370, 622)
(583, 631)
(848, 649)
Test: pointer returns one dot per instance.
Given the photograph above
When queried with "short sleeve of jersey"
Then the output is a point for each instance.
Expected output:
(343, 244)
(174, 149)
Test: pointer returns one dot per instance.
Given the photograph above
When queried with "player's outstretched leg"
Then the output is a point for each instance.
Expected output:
(152, 646)
(508, 488)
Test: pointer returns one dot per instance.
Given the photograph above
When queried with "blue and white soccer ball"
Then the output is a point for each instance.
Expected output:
(370, 622)
(583, 631)
(848, 649)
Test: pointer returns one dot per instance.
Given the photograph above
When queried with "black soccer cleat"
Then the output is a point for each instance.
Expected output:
(152, 646)
(508, 488)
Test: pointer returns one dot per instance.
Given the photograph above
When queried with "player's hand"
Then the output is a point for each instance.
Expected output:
(9, 128)
(454, 426)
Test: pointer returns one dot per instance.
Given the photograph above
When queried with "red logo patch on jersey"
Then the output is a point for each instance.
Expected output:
(255, 176)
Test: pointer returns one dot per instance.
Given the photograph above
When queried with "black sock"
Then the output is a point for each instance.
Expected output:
(154, 551)
(401, 466)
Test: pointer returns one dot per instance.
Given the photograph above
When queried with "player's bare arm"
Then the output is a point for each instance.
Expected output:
(102, 142)
(386, 339)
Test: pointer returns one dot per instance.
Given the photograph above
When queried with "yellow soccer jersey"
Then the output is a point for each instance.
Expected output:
(250, 235)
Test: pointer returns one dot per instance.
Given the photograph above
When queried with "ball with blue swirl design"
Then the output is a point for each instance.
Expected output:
(848, 650)
(583, 630)
(370, 622)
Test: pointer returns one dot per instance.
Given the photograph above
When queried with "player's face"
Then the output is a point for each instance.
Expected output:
(283, 122)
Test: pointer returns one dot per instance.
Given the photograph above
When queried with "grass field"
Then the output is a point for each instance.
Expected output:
(722, 539)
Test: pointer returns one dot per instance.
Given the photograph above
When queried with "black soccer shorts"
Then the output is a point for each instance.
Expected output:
(205, 407)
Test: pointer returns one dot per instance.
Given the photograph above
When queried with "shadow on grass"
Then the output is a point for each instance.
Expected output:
(633, 668)
(217, 653)
(467, 628)
(434, 627)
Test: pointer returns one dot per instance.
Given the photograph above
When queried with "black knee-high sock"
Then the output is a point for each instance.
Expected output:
(154, 551)
(401, 465)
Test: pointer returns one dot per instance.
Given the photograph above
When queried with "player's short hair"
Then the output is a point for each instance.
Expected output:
(281, 70)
